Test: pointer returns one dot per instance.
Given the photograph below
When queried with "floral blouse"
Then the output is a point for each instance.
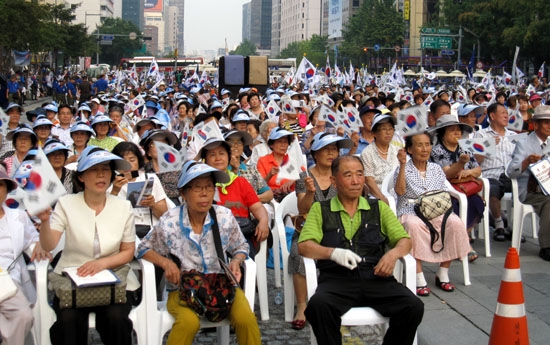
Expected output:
(444, 157)
(173, 235)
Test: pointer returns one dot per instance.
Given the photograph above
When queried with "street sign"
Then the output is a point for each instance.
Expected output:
(106, 42)
(436, 42)
(376, 47)
(443, 31)
(132, 36)
(107, 37)
(397, 48)
(448, 52)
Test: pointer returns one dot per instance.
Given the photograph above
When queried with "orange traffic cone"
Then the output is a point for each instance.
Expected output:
(510, 322)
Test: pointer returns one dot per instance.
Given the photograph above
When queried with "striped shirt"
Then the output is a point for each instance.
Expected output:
(493, 167)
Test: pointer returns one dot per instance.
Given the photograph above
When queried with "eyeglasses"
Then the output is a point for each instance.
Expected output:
(198, 189)
(235, 143)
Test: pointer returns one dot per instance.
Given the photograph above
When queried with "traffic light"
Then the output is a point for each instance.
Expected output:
(365, 49)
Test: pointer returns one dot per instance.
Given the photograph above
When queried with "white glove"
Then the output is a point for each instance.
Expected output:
(345, 257)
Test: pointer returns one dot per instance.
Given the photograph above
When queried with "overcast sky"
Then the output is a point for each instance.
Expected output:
(209, 22)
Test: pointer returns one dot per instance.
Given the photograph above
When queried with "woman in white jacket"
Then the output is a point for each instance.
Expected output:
(17, 234)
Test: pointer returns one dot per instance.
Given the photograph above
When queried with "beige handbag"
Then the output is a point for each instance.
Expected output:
(9, 289)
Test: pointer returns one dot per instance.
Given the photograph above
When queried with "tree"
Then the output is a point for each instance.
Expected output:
(122, 45)
(246, 48)
(314, 49)
(376, 22)
(503, 25)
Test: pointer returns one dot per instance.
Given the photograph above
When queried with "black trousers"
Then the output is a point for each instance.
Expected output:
(336, 295)
(112, 324)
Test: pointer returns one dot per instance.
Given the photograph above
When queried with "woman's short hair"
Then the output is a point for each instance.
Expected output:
(409, 139)
(125, 147)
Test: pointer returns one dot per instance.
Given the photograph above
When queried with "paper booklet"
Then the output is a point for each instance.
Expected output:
(105, 277)
(137, 191)
(541, 172)
(228, 272)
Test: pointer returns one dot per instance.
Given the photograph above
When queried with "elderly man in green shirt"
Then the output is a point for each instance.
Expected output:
(348, 236)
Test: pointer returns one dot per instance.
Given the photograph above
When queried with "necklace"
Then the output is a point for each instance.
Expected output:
(380, 151)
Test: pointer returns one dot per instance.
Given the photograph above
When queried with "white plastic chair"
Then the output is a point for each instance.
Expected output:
(388, 191)
(160, 321)
(484, 225)
(404, 272)
(261, 280)
(463, 214)
(520, 211)
(138, 314)
(288, 206)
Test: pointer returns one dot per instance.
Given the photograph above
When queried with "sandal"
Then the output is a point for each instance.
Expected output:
(445, 286)
(472, 256)
(423, 291)
(298, 324)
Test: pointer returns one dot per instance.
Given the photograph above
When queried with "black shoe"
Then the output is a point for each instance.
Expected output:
(508, 235)
(498, 235)
(544, 253)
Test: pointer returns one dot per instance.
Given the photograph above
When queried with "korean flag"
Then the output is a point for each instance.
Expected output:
(479, 146)
(169, 159)
(43, 186)
(412, 120)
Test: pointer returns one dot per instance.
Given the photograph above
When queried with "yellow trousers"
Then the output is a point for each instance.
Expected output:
(187, 322)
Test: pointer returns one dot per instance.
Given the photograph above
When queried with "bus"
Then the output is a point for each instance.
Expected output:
(165, 64)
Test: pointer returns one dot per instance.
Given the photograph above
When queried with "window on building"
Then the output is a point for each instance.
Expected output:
(355, 3)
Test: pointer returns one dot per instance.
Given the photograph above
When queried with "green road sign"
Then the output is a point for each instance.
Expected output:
(436, 42)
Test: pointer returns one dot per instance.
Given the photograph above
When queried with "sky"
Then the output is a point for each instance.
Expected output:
(208, 22)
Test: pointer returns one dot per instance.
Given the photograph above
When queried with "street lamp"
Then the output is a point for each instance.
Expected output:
(86, 14)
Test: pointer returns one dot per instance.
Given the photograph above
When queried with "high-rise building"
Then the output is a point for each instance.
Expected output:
(180, 4)
(246, 21)
(336, 14)
(257, 21)
(171, 30)
(132, 10)
(91, 13)
(152, 45)
(300, 19)
(275, 27)
(154, 16)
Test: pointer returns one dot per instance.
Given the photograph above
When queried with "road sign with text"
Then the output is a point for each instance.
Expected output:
(107, 37)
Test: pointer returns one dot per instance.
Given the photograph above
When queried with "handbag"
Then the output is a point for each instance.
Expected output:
(431, 205)
(9, 289)
(71, 296)
(210, 295)
(247, 225)
(469, 186)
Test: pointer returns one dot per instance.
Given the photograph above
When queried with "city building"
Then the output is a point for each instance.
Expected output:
(246, 21)
(300, 19)
(256, 22)
(132, 10)
(275, 27)
(180, 4)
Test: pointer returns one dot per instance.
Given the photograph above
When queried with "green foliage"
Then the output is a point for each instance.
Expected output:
(246, 48)
(27, 25)
(502, 25)
(122, 46)
(314, 49)
(376, 22)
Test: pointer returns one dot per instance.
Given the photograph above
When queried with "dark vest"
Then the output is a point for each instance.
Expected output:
(368, 242)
